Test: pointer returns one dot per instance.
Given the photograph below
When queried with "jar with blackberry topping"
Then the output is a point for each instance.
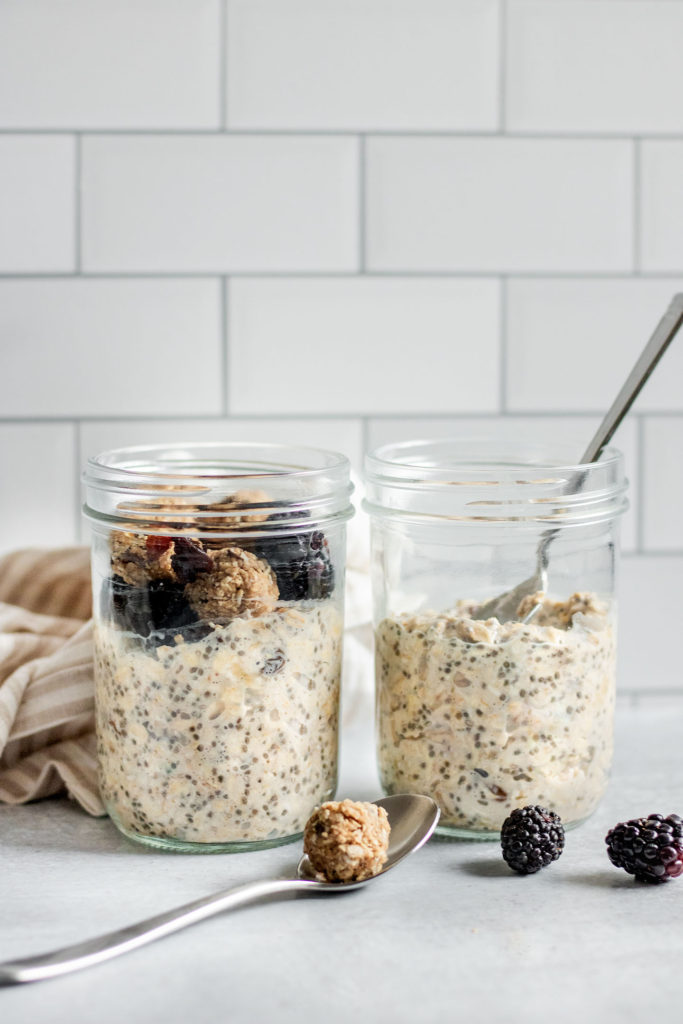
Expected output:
(480, 714)
(218, 579)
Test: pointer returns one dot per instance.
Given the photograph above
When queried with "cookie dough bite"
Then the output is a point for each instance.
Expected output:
(347, 841)
(135, 563)
(239, 584)
(138, 559)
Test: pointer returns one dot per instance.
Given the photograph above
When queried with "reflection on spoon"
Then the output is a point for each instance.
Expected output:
(412, 818)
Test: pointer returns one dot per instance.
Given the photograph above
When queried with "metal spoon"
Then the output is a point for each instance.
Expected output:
(412, 818)
(504, 607)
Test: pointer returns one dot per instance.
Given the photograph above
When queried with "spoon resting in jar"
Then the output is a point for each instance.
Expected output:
(412, 819)
(504, 606)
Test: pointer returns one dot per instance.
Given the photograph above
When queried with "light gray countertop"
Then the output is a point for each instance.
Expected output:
(450, 935)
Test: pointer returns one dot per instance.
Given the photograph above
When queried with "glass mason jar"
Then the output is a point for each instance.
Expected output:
(218, 582)
(480, 714)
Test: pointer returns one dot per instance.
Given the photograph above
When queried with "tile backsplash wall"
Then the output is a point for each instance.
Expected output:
(342, 221)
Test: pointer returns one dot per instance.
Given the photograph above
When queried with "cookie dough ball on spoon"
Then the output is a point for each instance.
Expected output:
(347, 841)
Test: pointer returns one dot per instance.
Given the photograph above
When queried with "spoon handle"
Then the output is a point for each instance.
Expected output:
(504, 606)
(664, 332)
(104, 947)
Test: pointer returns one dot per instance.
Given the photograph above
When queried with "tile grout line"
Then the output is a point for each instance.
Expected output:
(362, 175)
(78, 215)
(224, 299)
(417, 275)
(408, 133)
(639, 502)
(637, 230)
(503, 347)
(502, 66)
(223, 65)
(426, 414)
(78, 455)
(652, 553)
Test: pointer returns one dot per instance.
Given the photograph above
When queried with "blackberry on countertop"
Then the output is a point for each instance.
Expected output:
(531, 837)
(650, 848)
(301, 563)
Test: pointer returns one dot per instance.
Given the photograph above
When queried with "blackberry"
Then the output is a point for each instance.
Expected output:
(650, 848)
(167, 637)
(189, 559)
(531, 838)
(158, 607)
(301, 563)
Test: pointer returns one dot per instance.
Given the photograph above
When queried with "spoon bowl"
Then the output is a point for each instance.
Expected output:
(412, 819)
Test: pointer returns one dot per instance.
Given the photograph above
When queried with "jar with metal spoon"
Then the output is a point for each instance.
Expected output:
(485, 703)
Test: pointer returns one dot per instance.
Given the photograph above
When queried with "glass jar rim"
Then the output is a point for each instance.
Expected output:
(484, 479)
(159, 484)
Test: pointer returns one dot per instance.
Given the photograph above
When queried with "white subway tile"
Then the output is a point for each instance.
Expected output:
(572, 343)
(662, 204)
(38, 496)
(363, 345)
(474, 204)
(417, 64)
(75, 347)
(342, 435)
(663, 484)
(212, 203)
(97, 64)
(572, 431)
(650, 623)
(609, 66)
(37, 203)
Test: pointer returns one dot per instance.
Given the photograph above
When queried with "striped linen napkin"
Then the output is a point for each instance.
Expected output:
(47, 738)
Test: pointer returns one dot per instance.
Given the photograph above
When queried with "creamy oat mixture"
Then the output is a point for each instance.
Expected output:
(232, 737)
(485, 717)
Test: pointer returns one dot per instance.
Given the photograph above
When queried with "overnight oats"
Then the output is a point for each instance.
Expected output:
(218, 652)
(483, 715)
(486, 717)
